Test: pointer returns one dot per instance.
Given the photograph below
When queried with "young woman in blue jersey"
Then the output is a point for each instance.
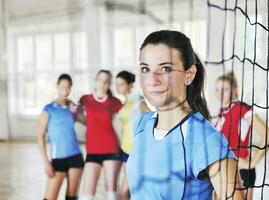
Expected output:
(65, 160)
(177, 153)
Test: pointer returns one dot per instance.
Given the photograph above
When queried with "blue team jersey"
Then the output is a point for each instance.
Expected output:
(174, 168)
(61, 131)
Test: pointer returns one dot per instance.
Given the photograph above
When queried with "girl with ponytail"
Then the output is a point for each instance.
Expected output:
(102, 143)
(177, 153)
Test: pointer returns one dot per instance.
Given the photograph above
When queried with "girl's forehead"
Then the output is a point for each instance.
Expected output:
(223, 83)
(157, 57)
(103, 75)
(64, 82)
(159, 51)
(120, 80)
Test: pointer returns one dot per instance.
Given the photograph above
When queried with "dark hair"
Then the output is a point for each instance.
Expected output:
(180, 42)
(65, 77)
(230, 78)
(127, 76)
(109, 74)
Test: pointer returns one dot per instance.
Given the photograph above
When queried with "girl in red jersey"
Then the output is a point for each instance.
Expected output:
(235, 121)
(102, 143)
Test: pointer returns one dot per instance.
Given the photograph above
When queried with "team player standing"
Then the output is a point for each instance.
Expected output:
(102, 143)
(177, 153)
(132, 109)
(234, 121)
(65, 160)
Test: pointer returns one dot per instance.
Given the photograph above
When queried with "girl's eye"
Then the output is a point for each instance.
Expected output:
(145, 69)
(166, 69)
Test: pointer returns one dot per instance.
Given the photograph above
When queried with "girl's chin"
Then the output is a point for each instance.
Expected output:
(163, 106)
(158, 105)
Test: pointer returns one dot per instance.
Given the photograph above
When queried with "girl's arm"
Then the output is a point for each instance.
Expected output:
(42, 143)
(81, 114)
(225, 179)
(81, 111)
(258, 154)
(77, 111)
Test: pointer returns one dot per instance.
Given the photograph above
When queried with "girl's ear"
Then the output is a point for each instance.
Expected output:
(190, 74)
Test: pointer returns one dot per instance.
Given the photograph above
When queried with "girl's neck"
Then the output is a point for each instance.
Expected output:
(167, 119)
(227, 104)
(126, 95)
(100, 97)
(61, 101)
(100, 94)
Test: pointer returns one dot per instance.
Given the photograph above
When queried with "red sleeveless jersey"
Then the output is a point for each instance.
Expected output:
(232, 122)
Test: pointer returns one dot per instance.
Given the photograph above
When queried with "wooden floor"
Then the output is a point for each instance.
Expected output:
(22, 174)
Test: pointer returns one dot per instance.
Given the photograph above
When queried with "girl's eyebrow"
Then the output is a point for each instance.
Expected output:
(164, 63)
(144, 64)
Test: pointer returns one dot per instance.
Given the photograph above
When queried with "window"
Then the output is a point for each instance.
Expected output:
(80, 51)
(124, 47)
(62, 53)
(25, 54)
(40, 60)
(43, 52)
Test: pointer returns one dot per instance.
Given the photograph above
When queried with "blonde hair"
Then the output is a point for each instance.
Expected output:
(230, 78)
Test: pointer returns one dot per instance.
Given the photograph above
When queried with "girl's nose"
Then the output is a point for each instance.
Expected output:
(153, 78)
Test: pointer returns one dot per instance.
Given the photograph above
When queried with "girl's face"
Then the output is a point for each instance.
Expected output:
(162, 76)
(64, 88)
(122, 86)
(102, 83)
(223, 91)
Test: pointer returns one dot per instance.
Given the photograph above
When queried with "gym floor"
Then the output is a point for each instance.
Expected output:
(22, 175)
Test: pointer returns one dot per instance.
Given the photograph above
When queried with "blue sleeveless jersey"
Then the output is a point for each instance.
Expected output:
(61, 131)
(174, 168)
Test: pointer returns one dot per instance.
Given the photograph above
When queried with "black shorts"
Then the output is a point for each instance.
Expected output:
(124, 156)
(64, 164)
(100, 158)
(248, 177)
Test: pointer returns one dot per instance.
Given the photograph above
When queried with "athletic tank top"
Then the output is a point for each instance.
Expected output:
(61, 131)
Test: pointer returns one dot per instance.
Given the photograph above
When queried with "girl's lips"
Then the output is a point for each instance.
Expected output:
(156, 93)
